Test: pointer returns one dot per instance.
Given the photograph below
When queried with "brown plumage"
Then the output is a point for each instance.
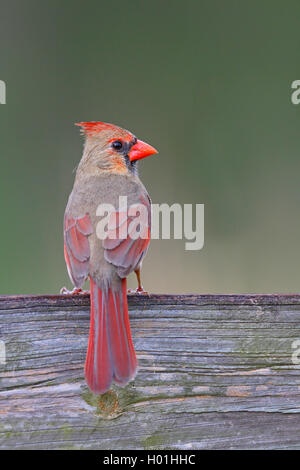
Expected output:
(106, 171)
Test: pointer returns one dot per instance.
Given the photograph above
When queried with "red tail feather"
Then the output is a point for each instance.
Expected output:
(110, 354)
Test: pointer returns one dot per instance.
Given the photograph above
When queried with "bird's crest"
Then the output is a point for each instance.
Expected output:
(94, 127)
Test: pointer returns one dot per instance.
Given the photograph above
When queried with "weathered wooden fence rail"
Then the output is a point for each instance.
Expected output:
(216, 372)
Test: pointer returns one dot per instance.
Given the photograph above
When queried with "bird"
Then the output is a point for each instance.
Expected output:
(106, 172)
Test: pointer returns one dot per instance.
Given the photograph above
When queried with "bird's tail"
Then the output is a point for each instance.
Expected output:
(110, 354)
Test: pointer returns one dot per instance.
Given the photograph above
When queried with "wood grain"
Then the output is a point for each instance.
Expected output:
(216, 372)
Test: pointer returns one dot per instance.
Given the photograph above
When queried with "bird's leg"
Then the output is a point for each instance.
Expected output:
(75, 291)
(140, 289)
(138, 276)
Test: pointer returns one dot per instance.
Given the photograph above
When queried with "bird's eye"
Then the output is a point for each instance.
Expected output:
(117, 145)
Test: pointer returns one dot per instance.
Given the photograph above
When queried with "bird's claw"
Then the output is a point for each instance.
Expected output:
(75, 291)
(138, 290)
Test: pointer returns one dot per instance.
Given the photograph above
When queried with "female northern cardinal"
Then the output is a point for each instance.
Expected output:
(106, 171)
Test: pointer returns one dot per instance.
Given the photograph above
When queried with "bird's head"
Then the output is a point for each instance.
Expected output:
(112, 148)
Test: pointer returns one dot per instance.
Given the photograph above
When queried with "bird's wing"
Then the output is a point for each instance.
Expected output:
(76, 247)
(126, 253)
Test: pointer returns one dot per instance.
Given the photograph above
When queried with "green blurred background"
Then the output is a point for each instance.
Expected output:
(207, 82)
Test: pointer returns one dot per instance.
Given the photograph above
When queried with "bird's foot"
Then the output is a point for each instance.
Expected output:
(75, 291)
(138, 290)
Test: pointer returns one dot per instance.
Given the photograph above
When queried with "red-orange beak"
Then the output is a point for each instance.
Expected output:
(141, 150)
